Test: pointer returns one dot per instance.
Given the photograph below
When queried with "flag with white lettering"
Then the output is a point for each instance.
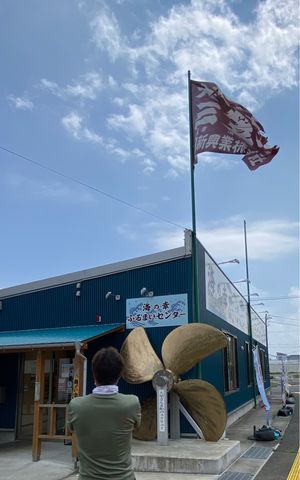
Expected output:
(223, 126)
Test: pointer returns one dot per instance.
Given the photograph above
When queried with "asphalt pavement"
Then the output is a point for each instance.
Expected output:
(259, 460)
(280, 463)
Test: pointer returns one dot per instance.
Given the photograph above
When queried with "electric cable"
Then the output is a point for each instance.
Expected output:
(279, 298)
(95, 189)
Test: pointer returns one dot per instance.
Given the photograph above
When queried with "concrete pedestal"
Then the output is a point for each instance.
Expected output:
(185, 456)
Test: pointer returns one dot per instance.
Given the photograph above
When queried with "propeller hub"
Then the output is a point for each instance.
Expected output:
(163, 378)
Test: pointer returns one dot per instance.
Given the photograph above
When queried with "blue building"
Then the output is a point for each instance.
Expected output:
(50, 329)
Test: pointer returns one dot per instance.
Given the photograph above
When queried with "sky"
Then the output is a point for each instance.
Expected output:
(94, 137)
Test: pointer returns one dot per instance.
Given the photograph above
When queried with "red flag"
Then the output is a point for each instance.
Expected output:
(223, 126)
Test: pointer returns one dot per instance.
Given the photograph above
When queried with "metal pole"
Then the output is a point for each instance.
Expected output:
(249, 316)
(195, 294)
(267, 342)
(162, 415)
(174, 416)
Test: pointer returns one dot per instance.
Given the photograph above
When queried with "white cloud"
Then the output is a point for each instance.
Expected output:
(267, 240)
(20, 103)
(126, 231)
(172, 173)
(112, 82)
(283, 326)
(106, 33)
(52, 87)
(119, 101)
(218, 161)
(134, 122)
(250, 61)
(273, 46)
(122, 153)
(73, 123)
(161, 120)
(261, 54)
(149, 165)
(295, 302)
(86, 87)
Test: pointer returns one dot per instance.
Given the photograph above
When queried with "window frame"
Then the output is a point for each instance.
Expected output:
(262, 359)
(248, 363)
(231, 368)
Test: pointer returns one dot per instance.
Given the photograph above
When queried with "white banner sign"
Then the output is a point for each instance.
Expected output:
(223, 299)
(164, 311)
(259, 379)
(258, 328)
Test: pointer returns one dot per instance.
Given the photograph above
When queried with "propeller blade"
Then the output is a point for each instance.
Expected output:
(205, 404)
(148, 427)
(141, 361)
(185, 346)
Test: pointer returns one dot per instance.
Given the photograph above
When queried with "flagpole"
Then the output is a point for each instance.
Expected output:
(249, 316)
(196, 317)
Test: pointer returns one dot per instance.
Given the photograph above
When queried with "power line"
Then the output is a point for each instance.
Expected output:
(95, 189)
(287, 318)
(287, 297)
(272, 328)
(279, 298)
(277, 320)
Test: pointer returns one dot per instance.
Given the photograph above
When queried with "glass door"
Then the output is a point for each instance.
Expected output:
(58, 381)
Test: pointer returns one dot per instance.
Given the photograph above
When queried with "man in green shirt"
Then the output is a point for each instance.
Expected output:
(103, 422)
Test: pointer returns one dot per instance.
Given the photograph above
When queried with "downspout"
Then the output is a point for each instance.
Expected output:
(78, 352)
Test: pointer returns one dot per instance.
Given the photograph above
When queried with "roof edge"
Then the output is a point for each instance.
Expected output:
(88, 274)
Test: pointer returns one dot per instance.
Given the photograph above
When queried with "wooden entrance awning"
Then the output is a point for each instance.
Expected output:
(54, 338)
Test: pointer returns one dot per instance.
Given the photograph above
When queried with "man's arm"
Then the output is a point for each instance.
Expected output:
(137, 413)
(70, 417)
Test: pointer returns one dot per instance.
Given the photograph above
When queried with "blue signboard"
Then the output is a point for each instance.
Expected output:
(163, 311)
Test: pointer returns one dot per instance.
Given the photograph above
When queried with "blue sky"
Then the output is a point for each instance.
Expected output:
(98, 92)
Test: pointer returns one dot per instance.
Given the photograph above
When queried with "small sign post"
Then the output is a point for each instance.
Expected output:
(162, 415)
(162, 382)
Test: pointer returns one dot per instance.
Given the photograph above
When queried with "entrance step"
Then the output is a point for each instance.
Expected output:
(191, 456)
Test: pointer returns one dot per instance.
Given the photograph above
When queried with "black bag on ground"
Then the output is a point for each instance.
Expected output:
(285, 411)
(265, 434)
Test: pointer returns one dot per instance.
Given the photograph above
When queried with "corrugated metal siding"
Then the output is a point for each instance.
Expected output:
(212, 367)
(59, 306)
(9, 365)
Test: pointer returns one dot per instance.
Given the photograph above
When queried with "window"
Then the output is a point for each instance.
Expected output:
(263, 363)
(231, 364)
(248, 363)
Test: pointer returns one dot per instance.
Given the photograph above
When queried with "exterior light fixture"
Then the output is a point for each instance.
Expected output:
(78, 286)
(146, 293)
(234, 260)
(109, 294)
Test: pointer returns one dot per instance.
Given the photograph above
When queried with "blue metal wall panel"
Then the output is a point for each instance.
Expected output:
(9, 365)
(213, 366)
(59, 307)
